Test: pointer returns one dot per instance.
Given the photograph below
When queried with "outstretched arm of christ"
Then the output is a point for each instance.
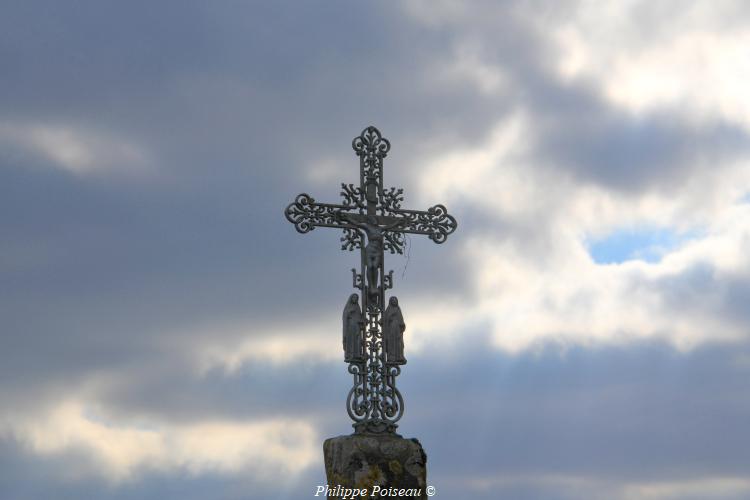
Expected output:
(393, 225)
(368, 227)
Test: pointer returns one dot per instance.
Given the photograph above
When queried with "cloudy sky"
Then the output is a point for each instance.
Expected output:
(165, 333)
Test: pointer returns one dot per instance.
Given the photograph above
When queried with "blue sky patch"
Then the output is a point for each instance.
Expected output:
(647, 244)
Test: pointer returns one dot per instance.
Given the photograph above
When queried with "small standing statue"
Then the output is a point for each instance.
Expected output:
(352, 331)
(393, 333)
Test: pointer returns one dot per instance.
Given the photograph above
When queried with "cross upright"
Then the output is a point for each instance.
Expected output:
(373, 342)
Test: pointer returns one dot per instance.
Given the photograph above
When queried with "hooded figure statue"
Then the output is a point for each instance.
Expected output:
(352, 329)
(393, 333)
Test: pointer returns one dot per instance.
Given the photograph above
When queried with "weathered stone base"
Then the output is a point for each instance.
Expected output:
(364, 461)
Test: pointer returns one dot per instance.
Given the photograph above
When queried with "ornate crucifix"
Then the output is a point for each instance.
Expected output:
(373, 341)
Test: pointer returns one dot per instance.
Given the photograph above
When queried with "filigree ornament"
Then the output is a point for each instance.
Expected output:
(388, 280)
(371, 147)
(435, 222)
(352, 239)
(371, 142)
(357, 280)
(305, 214)
(393, 403)
(391, 200)
(353, 196)
(357, 401)
(393, 242)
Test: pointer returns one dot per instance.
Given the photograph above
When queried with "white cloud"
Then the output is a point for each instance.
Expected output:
(534, 279)
(710, 487)
(645, 55)
(467, 65)
(119, 447)
(77, 150)
(272, 344)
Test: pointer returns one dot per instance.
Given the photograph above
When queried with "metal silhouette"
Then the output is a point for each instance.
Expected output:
(393, 333)
(372, 341)
(353, 327)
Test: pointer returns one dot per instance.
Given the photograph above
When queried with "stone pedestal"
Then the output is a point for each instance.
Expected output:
(374, 463)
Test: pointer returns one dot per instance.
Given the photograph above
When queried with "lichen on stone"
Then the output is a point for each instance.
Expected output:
(395, 467)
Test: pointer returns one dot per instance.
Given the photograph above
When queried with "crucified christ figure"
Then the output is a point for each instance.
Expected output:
(374, 248)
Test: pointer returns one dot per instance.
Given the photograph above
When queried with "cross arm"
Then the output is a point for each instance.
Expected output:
(306, 214)
(435, 222)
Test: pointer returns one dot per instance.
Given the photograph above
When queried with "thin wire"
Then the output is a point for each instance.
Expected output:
(407, 240)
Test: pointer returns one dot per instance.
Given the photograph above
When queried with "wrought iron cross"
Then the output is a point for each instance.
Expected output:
(373, 344)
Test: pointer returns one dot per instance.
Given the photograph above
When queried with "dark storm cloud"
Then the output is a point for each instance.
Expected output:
(24, 476)
(579, 133)
(636, 412)
(258, 390)
(705, 290)
(233, 116)
(613, 415)
(633, 414)
(574, 129)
